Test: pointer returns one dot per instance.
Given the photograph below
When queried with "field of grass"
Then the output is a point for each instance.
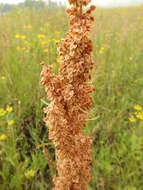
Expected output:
(27, 38)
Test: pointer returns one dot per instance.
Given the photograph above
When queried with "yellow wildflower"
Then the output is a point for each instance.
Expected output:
(46, 50)
(23, 37)
(43, 43)
(138, 107)
(2, 77)
(101, 50)
(41, 36)
(132, 119)
(17, 36)
(10, 122)
(3, 137)
(9, 109)
(58, 60)
(140, 116)
(57, 41)
(29, 174)
(2, 112)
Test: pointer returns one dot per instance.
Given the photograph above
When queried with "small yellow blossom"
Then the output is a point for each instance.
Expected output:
(41, 36)
(43, 43)
(2, 77)
(3, 137)
(2, 112)
(17, 36)
(10, 123)
(58, 60)
(101, 50)
(138, 107)
(23, 37)
(132, 119)
(9, 109)
(29, 174)
(140, 115)
(57, 41)
(46, 50)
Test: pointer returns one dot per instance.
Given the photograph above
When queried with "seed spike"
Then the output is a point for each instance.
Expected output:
(70, 96)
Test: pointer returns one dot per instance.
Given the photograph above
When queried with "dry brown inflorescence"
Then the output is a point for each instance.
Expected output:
(70, 95)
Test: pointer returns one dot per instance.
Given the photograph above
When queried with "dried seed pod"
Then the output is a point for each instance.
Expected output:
(70, 95)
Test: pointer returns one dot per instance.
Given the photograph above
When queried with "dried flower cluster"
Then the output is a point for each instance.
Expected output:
(70, 96)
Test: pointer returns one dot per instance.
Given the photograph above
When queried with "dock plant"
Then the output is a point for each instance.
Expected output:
(70, 96)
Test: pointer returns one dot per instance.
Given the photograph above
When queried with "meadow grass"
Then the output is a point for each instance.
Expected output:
(27, 38)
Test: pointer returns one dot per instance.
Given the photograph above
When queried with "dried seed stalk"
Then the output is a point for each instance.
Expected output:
(70, 96)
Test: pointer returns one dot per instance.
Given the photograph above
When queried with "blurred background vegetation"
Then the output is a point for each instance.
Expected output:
(30, 34)
(5, 7)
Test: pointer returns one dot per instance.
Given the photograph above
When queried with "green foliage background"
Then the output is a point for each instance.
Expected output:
(118, 78)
